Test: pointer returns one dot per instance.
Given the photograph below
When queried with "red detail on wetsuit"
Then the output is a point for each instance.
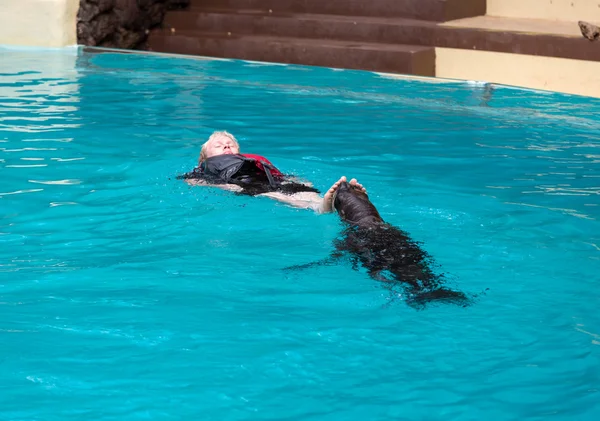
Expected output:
(259, 159)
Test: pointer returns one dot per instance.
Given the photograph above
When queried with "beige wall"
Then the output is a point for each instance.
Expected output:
(569, 10)
(41, 23)
(548, 73)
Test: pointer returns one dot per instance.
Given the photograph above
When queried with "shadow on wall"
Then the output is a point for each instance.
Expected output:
(121, 23)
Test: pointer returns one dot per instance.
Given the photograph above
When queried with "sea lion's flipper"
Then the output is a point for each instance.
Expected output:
(438, 295)
(354, 262)
(379, 275)
(328, 261)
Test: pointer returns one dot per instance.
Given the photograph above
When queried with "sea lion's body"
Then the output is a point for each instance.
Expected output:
(388, 253)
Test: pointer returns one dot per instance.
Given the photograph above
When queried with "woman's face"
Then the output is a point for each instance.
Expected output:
(221, 146)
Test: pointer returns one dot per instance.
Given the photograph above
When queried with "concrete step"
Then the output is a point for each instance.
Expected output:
(303, 25)
(537, 37)
(406, 59)
(521, 36)
(433, 10)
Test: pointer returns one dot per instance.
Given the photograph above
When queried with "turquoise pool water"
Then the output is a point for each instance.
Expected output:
(125, 294)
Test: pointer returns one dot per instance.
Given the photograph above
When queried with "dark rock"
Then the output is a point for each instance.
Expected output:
(591, 32)
(128, 12)
(87, 11)
(121, 23)
(145, 4)
(97, 30)
(90, 9)
(127, 39)
(156, 14)
(177, 4)
(103, 4)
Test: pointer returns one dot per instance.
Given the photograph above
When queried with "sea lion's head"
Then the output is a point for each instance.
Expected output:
(353, 206)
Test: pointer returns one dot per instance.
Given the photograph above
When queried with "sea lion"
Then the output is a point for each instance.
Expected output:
(386, 252)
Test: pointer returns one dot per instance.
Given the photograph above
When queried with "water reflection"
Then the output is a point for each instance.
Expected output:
(39, 93)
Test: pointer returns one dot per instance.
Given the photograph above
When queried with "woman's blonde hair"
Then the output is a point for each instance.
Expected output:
(214, 136)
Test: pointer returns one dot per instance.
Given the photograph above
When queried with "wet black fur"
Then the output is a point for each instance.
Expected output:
(386, 252)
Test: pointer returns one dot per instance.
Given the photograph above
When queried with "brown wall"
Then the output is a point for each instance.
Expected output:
(120, 23)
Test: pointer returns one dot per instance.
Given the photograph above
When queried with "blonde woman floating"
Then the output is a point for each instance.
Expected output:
(222, 165)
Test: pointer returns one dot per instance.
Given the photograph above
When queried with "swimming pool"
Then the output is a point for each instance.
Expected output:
(125, 294)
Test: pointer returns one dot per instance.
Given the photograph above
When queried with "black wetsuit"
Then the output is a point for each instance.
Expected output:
(253, 176)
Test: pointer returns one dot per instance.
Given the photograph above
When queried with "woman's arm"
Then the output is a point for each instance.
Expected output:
(200, 182)
(301, 200)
